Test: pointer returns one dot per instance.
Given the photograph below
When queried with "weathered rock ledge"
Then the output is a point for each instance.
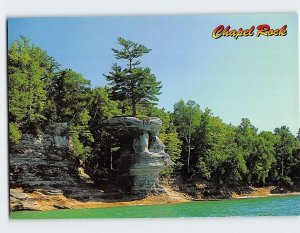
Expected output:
(42, 161)
(142, 149)
(42, 165)
(40, 201)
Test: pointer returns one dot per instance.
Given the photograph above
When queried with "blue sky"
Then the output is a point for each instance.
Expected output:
(249, 77)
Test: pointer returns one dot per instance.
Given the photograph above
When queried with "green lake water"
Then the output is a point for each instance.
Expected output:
(266, 206)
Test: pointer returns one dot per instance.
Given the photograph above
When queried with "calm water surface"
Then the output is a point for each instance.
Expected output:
(266, 206)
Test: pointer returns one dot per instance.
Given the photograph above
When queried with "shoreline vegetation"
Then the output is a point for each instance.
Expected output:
(46, 202)
(209, 155)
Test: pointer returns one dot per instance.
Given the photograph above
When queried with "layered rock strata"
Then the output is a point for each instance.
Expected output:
(142, 151)
(44, 162)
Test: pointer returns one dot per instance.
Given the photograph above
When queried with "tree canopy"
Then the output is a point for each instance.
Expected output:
(201, 144)
(186, 118)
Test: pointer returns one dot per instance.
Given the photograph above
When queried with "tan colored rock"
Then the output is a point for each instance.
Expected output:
(146, 151)
(44, 162)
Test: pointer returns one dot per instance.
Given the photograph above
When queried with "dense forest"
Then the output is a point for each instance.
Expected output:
(200, 144)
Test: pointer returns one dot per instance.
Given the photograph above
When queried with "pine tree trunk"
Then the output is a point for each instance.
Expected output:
(281, 167)
(111, 160)
(189, 155)
(133, 107)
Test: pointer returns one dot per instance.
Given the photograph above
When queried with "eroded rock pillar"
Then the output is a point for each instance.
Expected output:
(147, 154)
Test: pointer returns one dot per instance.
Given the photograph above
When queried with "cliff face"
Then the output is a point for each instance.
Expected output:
(142, 150)
(44, 162)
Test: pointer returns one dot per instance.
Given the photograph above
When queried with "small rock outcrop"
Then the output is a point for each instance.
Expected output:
(41, 161)
(44, 162)
(21, 201)
(142, 154)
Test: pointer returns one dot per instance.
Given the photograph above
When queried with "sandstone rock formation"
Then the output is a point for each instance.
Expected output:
(141, 150)
(44, 163)
(21, 201)
(41, 162)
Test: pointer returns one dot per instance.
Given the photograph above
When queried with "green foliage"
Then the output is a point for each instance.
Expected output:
(287, 159)
(261, 160)
(70, 94)
(245, 136)
(29, 71)
(287, 181)
(298, 135)
(101, 107)
(134, 84)
(200, 144)
(173, 148)
(186, 118)
(130, 51)
(14, 133)
(80, 151)
(69, 97)
(173, 145)
(231, 168)
(81, 136)
(231, 155)
(218, 157)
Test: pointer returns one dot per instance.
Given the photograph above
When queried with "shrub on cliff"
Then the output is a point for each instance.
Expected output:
(14, 133)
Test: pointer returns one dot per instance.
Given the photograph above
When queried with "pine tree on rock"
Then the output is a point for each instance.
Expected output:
(133, 83)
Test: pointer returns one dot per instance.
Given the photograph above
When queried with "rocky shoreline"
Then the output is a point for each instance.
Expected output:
(40, 200)
(43, 175)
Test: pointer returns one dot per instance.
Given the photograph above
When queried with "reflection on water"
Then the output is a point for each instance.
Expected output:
(267, 206)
